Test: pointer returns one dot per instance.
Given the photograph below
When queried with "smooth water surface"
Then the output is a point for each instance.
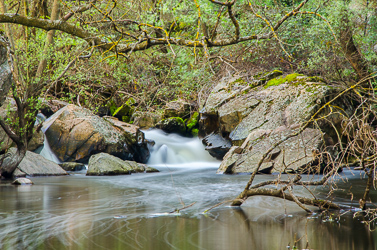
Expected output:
(134, 212)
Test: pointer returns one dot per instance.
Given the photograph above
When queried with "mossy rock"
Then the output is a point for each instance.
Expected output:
(264, 77)
(126, 118)
(145, 119)
(172, 125)
(295, 79)
(177, 108)
(192, 123)
(72, 166)
(151, 170)
(124, 112)
(195, 132)
(239, 82)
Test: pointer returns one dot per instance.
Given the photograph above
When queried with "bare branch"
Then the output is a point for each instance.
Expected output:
(223, 4)
(323, 204)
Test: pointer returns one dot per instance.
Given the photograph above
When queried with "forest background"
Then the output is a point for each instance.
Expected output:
(153, 52)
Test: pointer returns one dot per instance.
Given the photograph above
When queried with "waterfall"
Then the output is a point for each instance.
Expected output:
(45, 151)
(169, 149)
(173, 149)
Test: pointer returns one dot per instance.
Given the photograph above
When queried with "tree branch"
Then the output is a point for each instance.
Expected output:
(15, 138)
(223, 4)
(235, 23)
(141, 44)
(322, 204)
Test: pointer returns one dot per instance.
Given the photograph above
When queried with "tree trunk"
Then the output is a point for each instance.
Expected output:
(9, 34)
(49, 40)
(159, 33)
(11, 161)
(5, 72)
(350, 50)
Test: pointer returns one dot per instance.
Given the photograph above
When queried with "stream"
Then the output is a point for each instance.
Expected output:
(137, 211)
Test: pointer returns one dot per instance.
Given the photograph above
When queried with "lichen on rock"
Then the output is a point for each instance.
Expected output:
(255, 119)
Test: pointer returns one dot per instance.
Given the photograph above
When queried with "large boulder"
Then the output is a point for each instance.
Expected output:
(295, 154)
(105, 164)
(5, 84)
(34, 165)
(37, 140)
(49, 107)
(74, 134)
(254, 115)
(134, 138)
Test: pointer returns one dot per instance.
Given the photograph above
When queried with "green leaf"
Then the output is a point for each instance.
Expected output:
(117, 110)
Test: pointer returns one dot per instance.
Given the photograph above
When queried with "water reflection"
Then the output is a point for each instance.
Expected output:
(79, 212)
(132, 212)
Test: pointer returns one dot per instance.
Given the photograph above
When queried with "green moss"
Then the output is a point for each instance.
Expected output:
(310, 89)
(126, 118)
(263, 77)
(290, 79)
(113, 108)
(317, 79)
(269, 75)
(173, 125)
(177, 119)
(239, 81)
(245, 91)
(195, 132)
(193, 121)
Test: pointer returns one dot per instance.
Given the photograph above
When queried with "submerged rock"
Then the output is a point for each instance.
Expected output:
(74, 134)
(253, 118)
(22, 181)
(151, 170)
(35, 165)
(105, 164)
(72, 166)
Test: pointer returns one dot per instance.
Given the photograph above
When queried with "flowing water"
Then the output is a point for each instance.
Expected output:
(134, 211)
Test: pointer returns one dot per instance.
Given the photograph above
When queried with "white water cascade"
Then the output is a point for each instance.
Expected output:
(46, 151)
(172, 149)
(168, 150)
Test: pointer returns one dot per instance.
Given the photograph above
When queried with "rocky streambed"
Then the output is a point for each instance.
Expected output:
(241, 121)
